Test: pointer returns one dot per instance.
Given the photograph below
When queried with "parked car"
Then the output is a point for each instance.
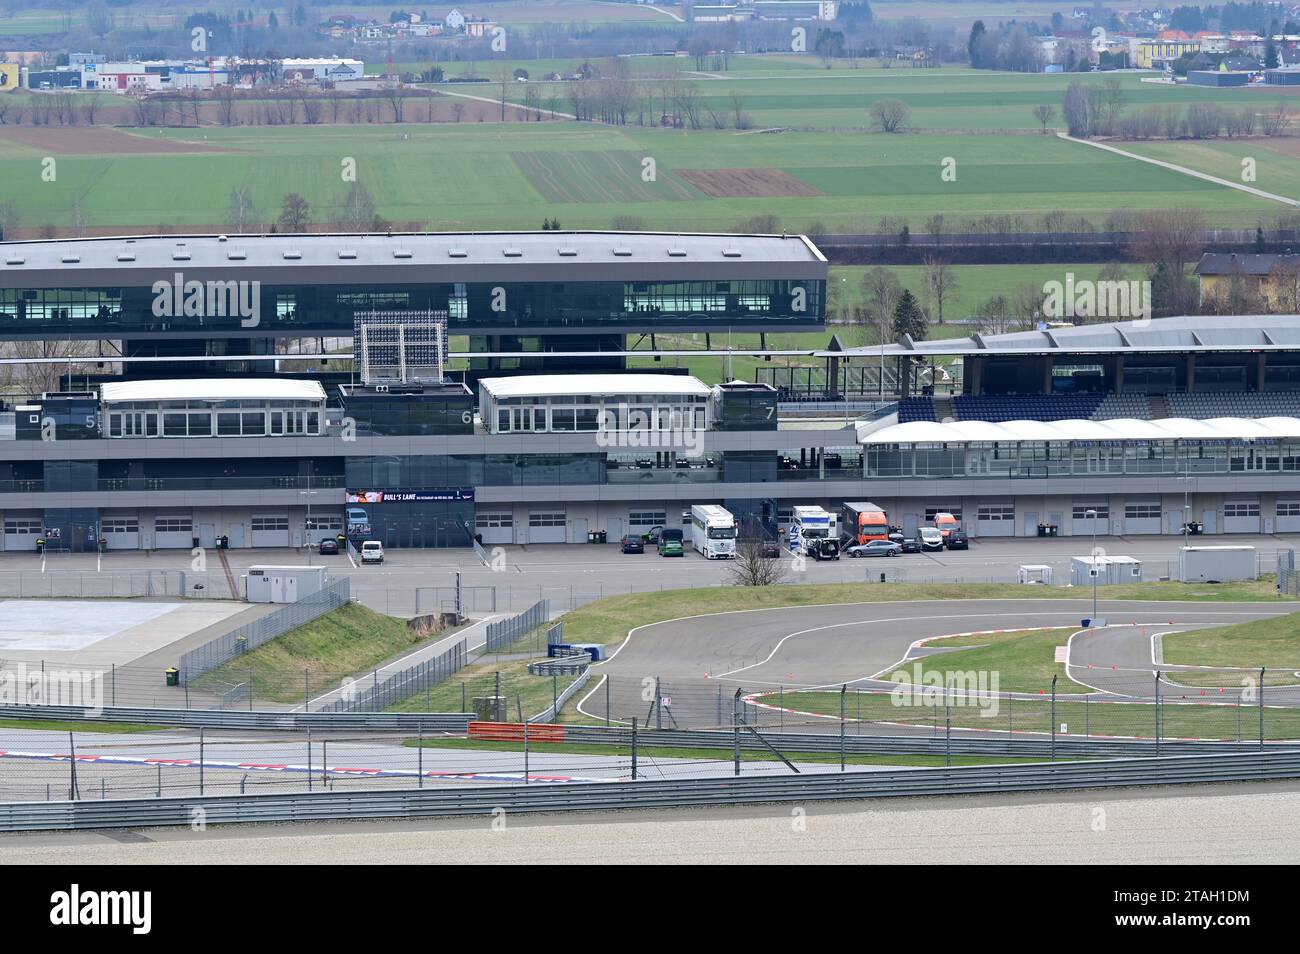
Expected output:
(632, 543)
(910, 544)
(372, 551)
(931, 538)
(957, 540)
(875, 548)
(670, 545)
(328, 547)
(770, 549)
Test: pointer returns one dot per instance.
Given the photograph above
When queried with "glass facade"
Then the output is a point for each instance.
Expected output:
(324, 308)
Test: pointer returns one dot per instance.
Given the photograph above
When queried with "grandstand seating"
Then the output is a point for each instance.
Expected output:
(1210, 404)
(1123, 405)
(915, 409)
(1026, 407)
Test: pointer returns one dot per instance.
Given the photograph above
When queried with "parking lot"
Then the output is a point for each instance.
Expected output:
(411, 582)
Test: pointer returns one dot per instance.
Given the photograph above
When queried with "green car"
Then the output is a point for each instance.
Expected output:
(670, 543)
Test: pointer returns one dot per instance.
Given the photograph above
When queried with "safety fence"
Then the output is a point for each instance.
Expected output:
(412, 684)
(502, 633)
(455, 722)
(239, 641)
(56, 582)
(411, 801)
(551, 712)
(1288, 582)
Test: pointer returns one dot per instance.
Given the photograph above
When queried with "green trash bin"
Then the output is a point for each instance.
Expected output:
(173, 676)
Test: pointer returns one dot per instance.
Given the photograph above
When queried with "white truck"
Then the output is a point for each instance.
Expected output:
(713, 532)
(815, 532)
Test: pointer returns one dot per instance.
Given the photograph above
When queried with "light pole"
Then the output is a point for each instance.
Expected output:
(1093, 514)
(306, 530)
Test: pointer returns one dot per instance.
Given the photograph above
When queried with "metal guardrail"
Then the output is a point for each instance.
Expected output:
(823, 742)
(370, 695)
(455, 722)
(658, 793)
(549, 713)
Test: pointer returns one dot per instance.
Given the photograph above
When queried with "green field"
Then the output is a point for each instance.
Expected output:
(1276, 161)
(466, 176)
(1273, 643)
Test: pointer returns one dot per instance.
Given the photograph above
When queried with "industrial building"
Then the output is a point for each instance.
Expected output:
(192, 428)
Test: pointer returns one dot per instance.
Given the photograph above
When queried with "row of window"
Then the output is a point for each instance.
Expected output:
(258, 423)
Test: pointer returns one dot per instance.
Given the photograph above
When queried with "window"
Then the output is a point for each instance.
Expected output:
(1250, 509)
(1142, 511)
(546, 518)
(315, 522)
(996, 513)
(119, 525)
(173, 525)
(494, 521)
(1288, 508)
(1080, 511)
(931, 512)
(647, 518)
(21, 527)
(270, 523)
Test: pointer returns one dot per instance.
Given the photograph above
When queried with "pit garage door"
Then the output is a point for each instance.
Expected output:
(996, 520)
(323, 526)
(1288, 516)
(1241, 516)
(122, 533)
(1142, 517)
(495, 526)
(21, 532)
(271, 530)
(546, 526)
(173, 530)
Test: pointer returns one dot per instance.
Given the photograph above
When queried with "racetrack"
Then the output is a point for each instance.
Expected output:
(700, 662)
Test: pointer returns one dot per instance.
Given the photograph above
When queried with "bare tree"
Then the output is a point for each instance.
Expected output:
(1171, 239)
(295, 213)
(881, 289)
(1044, 114)
(392, 93)
(458, 110)
(891, 115)
(241, 214)
(35, 379)
(8, 219)
(940, 282)
(358, 209)
(753, 565)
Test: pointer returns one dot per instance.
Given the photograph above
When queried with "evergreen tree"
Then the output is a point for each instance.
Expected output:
(976, 32)
(908, 317)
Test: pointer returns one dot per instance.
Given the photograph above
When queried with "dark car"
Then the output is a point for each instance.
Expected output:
(632, 544)
(770, 549)
(910, 544)
(328, 546)
(823, 549)
(876, 548)
(957, 540)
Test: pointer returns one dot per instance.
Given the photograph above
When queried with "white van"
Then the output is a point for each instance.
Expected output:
(931, 538)
(372, 551)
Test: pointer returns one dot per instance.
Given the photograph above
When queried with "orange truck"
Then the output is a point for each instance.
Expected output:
(863, 522)
(946, 523)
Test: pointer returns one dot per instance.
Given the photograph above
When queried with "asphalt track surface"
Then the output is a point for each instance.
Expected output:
(1210, 824)
(699, 662)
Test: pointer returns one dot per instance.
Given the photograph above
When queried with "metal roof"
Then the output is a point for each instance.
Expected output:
(1186, 333)
(213, 389)
(1120, 429)
(339, 258)
(1232, 263)
(608, 385)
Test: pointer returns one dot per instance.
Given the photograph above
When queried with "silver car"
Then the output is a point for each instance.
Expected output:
(874, 548)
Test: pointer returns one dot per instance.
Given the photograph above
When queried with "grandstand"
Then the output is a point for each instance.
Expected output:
(1234, 404)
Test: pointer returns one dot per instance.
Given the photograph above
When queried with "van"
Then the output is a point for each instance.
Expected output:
(931, 538)
(372, 551)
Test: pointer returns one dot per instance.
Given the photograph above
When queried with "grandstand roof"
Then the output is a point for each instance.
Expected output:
(1188, 333)
(1120, 429)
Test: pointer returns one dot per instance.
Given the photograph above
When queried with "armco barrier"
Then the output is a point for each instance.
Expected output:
(658, 793)
(453, 722)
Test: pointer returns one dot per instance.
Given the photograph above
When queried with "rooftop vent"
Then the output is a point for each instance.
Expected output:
(70, 259)
(126, 256)
(402, 253)
(677, 253)
(457, 253)
(14, 260)
(347, 253)
(236, 255)
(622, 252)
(731, 253)
(568, 252)
(292, 254)
(512, 253)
